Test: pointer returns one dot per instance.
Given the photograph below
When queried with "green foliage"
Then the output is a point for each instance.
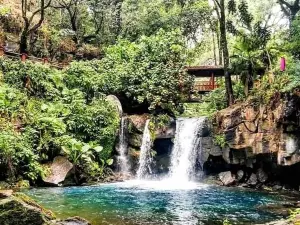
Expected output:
(17, 155)
(78, 151)
(36, 79)
(161, 120)
(4, 10)
(266, 89)
(220, 140)
(213, 101)
(151, 70)
(97, 121)
(42, 116)
(293, 45)
(147, 72)
(250, 57)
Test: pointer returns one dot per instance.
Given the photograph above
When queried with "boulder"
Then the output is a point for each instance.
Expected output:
(59, 169)
(19, 209)
(23, 211)
(137, 123)
(252, 181)
(205, 129)
(262, 176)
(226, 178)
(116, 102)
(73, 221)
(240, 175)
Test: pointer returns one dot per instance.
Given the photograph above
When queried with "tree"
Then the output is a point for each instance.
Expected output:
(220, 7)
(30, 27)
(72, 9)
(290, 8)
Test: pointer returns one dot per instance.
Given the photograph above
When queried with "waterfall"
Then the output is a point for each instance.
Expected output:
(123, 160)
(145, 154)
(186, 149)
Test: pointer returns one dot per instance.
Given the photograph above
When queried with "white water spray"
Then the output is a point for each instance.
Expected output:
(187, 148)
(145, 154)
(123, 160)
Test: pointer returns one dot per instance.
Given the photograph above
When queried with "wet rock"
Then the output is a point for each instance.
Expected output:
(73, 221)
(252, 181)
(60, 167)
(240, 175)
(278, 209)
(277, 187)
(279, 222)
(212, 180)
(205, 128)
(227, 178)
(262, 176)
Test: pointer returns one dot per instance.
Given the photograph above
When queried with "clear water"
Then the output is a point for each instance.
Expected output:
(151, 203)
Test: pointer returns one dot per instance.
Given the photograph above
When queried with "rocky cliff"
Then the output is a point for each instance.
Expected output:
(262, 140)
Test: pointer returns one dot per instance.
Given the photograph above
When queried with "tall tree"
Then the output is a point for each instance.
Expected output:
(30, 27)
(290, 8)
(220, 5)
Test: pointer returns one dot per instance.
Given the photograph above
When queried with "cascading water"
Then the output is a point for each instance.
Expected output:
(123, 160)
(187, 148)
(145, 154)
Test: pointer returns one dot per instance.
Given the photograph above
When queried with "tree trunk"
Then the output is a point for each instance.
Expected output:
(220, 49)
(214, 49)
(224, 45)
(24, 41)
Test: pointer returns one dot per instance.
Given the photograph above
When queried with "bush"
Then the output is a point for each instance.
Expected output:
(150, 71)
(37, 120)
(36, 79)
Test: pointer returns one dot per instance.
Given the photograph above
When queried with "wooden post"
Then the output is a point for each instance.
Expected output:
(1, 51)
(213, 81)
(23, 57)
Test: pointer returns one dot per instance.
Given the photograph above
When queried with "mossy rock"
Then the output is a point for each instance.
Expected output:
(22, 210)
(135, 140)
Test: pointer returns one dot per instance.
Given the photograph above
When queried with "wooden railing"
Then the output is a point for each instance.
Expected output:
(24, 57)
(205, 86)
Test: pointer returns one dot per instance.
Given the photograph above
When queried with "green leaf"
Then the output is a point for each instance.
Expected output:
(98, 149)
(109, 162)
(86, 148)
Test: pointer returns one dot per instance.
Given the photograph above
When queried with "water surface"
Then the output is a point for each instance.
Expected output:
(137, 203)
